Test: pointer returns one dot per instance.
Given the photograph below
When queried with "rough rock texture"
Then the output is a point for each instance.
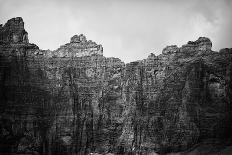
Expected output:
(76, 101)
(180, 99)
(78, 47)
(13, 31)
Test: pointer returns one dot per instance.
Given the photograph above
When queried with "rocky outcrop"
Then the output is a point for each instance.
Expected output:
(73, 100)
(170, 50)
(13, 31)
(78, 47)
(201, 44)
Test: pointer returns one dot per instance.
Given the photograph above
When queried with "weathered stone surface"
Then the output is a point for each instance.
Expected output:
(78, 39)
(179, 98)
(170, 50)
(73, 100)
(78, 47)
(13, 31)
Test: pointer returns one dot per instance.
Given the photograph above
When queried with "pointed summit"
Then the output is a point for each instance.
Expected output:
(13, 31)
(78, 39)
(79, 46)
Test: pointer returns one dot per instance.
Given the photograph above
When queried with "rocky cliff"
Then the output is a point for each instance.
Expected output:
(73, 100)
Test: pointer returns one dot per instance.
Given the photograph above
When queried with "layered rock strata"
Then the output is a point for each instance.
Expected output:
(73, 100)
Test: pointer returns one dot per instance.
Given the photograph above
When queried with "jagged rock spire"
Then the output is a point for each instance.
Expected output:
(78, 39)
(79, 46)
(13, 31)
(201, 44)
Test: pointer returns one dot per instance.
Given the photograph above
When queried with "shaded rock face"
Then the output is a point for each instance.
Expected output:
(201, 46)
(13, 31)
(170, 50)
(76, 101)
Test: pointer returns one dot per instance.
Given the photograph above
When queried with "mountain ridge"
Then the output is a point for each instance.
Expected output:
(75, 100)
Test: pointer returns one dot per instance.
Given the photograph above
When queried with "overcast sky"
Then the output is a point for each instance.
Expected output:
(127, 29)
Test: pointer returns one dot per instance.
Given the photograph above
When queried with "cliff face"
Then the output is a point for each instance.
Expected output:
(181, 97)
(75, 100)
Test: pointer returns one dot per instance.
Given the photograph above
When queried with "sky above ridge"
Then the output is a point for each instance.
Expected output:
(127, 29)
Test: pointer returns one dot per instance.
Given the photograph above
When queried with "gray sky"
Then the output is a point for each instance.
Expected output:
(127, 29)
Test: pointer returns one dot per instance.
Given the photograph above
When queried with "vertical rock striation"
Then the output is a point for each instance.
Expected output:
(73, 100)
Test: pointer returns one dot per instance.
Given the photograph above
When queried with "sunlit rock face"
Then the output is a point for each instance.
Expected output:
(73, 100)
(78, 47)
